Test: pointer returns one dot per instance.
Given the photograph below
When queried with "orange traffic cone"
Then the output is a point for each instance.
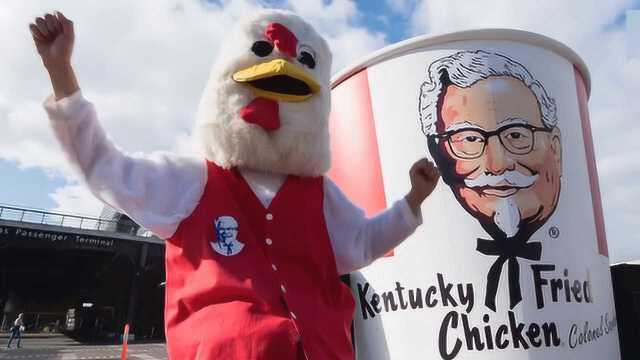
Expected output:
(125, 339)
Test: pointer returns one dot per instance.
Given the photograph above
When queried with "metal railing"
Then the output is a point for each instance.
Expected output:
(35, 216)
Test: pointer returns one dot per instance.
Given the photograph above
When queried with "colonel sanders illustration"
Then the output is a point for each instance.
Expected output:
(492, 131)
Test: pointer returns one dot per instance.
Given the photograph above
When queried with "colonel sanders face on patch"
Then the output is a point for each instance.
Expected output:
(226, 236)
(491, 129)
(226, 229)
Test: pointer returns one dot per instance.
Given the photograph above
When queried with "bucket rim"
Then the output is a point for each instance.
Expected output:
(493, 34)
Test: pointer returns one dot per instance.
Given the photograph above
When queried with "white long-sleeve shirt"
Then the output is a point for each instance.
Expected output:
(160, 190)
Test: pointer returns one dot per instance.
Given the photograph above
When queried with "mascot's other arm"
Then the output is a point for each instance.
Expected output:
(357, 240)
(157, 191)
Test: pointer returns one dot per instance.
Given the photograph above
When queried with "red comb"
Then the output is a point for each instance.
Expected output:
(282, 38)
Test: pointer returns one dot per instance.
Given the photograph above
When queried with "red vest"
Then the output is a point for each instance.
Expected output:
(278, 298)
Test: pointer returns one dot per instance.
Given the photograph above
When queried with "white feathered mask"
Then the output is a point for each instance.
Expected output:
(266, 105)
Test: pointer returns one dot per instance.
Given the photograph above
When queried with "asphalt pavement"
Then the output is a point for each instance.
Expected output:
(60, 347)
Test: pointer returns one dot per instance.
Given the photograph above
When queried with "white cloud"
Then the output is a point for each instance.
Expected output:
(143, 64)
(26, 138)
(402, 7)
(76, 199)
(633, 33)
(590, 28)
(566, 21)
(349, 46)
(337, 21)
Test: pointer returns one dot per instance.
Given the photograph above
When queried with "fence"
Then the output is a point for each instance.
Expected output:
(34, 216)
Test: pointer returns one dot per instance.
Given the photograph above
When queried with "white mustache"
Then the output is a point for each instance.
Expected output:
(509, 178)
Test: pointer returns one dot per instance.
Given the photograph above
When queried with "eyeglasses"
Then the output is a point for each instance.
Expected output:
(470, 143)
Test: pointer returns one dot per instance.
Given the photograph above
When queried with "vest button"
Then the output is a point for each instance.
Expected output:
(269, 216)
(284, 290)
(268, 241)
(274, 267)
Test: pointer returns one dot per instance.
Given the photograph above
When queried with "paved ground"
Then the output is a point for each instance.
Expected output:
(60, 347)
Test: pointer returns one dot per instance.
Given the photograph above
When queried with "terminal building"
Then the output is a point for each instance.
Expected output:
(81, 275)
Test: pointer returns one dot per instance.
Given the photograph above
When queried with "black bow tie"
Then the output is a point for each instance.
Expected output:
(506, 249)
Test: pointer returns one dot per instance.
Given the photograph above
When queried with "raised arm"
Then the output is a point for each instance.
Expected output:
(357, 240)
(157, 191)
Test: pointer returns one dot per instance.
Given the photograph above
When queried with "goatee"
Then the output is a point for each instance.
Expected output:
(507, 217)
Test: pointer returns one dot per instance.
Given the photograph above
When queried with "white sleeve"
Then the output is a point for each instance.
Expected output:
(156, 191)
(357, 240)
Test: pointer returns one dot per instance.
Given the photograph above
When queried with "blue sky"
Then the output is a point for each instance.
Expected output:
(117, 60)
(27, 187)
(379, 16)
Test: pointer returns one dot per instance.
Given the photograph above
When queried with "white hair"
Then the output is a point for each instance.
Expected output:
(464, 69)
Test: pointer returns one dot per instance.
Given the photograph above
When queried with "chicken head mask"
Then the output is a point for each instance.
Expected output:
(267, 102)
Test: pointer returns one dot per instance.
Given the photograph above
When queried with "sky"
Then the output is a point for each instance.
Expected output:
(144, 64)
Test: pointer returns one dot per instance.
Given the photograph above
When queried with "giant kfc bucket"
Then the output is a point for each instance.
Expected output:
(511, 260)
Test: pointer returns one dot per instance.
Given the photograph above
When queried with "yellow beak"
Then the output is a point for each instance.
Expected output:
(278, 80)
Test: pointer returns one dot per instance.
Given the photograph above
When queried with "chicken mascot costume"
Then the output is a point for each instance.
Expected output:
(256, 235)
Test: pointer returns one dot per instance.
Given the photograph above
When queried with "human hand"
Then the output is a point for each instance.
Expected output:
(424, 178)
(53, 36)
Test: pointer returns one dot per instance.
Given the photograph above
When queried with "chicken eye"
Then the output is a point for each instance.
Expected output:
(262, 48)
(307, 59)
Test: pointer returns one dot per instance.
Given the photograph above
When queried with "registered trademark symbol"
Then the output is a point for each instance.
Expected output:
(554, 232)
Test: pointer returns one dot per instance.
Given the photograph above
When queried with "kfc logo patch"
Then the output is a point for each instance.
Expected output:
(226, 242)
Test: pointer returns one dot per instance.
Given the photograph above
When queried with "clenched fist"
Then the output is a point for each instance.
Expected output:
(424, 178)
(53, 35)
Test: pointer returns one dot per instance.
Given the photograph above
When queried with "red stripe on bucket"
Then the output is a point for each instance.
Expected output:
(591, 164)
(354, 146)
